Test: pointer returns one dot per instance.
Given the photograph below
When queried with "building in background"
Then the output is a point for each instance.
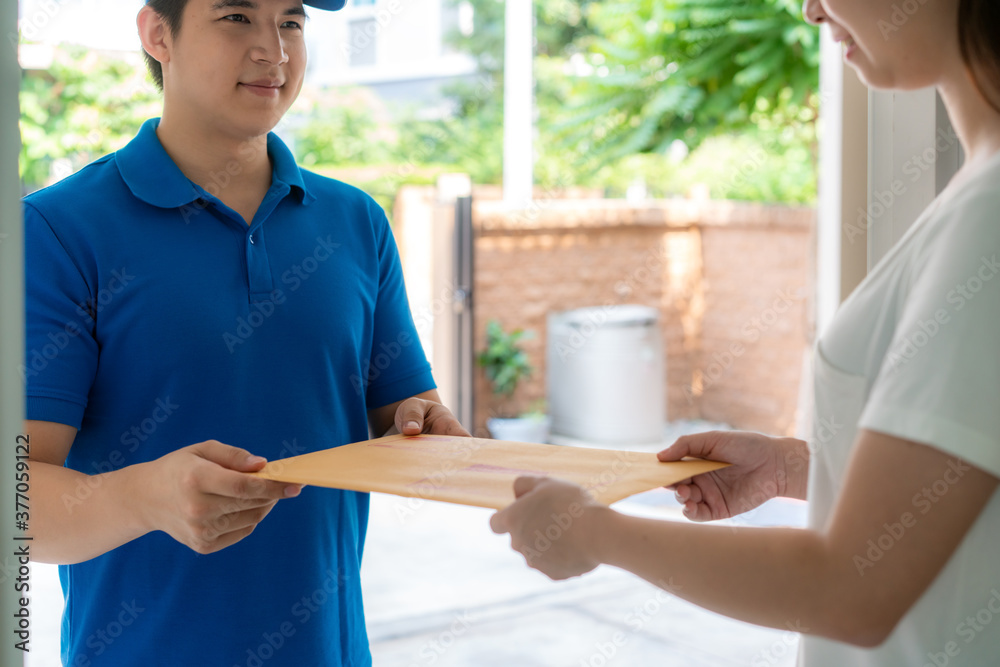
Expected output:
(398, 48)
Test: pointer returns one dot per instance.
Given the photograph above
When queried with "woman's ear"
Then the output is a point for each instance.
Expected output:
(154, 34)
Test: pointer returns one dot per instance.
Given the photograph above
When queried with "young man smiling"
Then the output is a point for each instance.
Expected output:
(150, 511)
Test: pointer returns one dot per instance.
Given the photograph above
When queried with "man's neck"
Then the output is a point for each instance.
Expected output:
(227, 166)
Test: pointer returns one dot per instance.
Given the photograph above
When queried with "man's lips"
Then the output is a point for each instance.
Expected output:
(265, 87)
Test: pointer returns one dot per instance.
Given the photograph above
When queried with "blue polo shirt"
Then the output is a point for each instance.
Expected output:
(157, 318)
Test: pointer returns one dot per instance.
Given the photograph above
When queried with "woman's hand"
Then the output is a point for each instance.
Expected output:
(763, 467)
(549, 524)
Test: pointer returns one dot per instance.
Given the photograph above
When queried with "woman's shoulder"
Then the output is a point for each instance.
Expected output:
(975, 199)
(967, 223)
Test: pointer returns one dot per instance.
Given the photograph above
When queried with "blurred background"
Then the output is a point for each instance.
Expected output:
(658, 279)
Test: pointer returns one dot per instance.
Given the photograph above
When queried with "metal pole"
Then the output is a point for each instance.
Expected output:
(11, 335)
(518, 85)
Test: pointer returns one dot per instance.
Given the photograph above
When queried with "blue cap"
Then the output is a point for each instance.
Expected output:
(332, 5)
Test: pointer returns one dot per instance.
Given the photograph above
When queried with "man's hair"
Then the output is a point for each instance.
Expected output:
(979, 37)
(170, 11)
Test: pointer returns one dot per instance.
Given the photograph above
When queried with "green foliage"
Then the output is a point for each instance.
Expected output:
(504, 361)
(339, 129)
(86, 105)
(472, 139)
(616, 81)
(687, 70)
(619, 87)
(560, 25)
(748, 166)
(469, 142)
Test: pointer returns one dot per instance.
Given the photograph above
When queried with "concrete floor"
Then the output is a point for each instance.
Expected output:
(477, 604)
(441, 589)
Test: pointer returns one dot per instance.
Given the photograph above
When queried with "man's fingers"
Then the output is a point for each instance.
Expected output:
(525, 484)
(449, 426)
(219, 543)
(410, 417)
(227, 456)
(455, 428)
(232, 484)
(236, 521)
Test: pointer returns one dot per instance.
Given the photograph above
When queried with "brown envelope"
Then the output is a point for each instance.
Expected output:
(478, 471)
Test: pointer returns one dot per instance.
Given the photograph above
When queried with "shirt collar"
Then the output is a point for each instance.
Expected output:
(153, 177)
(285, 169)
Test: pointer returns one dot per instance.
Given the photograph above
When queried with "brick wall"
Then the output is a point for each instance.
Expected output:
(732, 283)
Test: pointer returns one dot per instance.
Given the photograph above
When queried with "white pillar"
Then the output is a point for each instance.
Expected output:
(518, 156)
(11, 324)
(841, 253)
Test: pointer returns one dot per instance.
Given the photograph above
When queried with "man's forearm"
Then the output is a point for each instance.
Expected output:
(75, 517)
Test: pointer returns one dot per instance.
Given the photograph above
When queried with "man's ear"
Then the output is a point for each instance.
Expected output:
(154, 34)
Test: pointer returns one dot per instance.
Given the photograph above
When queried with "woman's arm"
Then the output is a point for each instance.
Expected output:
(920, 498)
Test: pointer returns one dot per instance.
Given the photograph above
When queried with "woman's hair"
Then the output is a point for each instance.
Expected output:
(979, 37)
(171, 11)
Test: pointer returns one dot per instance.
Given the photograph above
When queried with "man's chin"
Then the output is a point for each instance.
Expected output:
(257, 123)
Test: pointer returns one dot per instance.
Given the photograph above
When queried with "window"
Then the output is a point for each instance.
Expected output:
(362, 35)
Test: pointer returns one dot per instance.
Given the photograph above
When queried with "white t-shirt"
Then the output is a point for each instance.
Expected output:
(915, 352)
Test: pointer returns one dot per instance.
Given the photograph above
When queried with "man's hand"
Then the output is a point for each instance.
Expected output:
(548, 525)
(763, 467)
(418, 415)
(201, 496)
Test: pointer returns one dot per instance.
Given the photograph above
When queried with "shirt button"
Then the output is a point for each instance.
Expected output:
(251, 239)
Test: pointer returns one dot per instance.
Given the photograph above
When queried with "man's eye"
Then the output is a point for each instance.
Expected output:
(292, 24)
(236, 18)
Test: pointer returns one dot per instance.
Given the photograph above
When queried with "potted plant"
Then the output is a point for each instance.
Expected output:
(506, 364)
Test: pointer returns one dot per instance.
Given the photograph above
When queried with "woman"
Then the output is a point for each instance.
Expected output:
(900, 564)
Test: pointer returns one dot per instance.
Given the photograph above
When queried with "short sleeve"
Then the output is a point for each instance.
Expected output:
(398, 367)
(61, 352)
(939, 383)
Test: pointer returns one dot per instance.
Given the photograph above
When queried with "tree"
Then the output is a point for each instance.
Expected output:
(668, 70)
(472, 139)
(339, 127)
(87, 104)
(616, 81)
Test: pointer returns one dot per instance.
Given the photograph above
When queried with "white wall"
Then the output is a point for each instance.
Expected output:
(843, 182)
(408, 43)
(913, 153)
